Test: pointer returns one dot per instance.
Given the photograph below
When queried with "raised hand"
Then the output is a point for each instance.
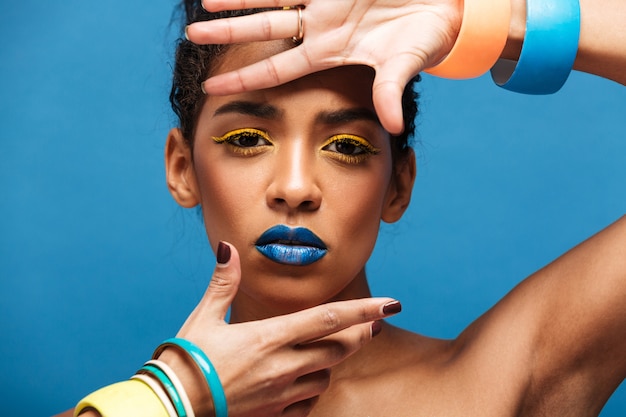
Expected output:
(277, 366)
(398, 38)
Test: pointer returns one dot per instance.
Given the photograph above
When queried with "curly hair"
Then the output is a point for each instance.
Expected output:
(194, 63)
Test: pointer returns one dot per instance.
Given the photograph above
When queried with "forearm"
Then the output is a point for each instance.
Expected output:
(602, 46)
(602, 43)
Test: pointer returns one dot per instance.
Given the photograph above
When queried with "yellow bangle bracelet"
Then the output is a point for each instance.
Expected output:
(132, 398)
(482, 36)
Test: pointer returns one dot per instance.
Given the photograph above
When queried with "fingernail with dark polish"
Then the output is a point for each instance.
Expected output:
(223, 253)
(393, 307)
(377, 327)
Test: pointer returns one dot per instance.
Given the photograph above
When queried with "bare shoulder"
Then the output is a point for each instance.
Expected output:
(552, 346)
(556, 340)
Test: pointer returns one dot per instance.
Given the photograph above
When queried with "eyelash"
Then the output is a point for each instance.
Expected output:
(231, 138)
(366, 148)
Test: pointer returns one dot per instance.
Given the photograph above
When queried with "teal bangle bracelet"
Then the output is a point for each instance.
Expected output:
(169, 387)
(178, 385)
(549, 49)
(207, 368)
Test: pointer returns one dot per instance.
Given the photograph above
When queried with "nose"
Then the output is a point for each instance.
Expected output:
(294, 186)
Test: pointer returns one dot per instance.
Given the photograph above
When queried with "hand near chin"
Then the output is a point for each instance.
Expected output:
(276, 366)
(397, 38)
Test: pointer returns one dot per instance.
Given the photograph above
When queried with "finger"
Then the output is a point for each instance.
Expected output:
(387, 98)
(275, 70)
(306, 388)
(324, 320)
(219, 5)
(263, 26)
(300, 408)
(224, 283)
(389, 83)
(329, 351)
(312, 384)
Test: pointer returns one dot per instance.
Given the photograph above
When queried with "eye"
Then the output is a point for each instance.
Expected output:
(349, 148)
(246, 142)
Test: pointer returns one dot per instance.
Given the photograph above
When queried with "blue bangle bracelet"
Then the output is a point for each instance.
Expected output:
(549, 49)
(207, 368)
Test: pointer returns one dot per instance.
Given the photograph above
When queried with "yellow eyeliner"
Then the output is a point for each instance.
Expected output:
(354, 140)
(240, 133)
(367, 150)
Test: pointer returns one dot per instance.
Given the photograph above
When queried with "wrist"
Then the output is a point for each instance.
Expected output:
(517, 30)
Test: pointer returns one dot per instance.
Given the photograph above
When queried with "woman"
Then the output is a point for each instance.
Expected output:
(297, 178)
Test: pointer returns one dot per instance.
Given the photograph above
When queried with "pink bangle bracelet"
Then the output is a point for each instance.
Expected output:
(482, 36)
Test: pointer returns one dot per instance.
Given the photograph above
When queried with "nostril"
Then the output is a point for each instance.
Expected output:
(280, 201)
(305, 205)
(294, 192)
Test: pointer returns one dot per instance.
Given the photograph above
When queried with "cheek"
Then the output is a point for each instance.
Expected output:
(226, 201)
(357, 208)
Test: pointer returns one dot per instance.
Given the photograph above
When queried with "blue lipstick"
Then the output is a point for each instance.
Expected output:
(291, 246)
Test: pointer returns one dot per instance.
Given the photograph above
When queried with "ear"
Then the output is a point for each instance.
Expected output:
(179, 171)
(400, 188)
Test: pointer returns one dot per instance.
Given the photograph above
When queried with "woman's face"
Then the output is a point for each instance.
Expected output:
(297, 177)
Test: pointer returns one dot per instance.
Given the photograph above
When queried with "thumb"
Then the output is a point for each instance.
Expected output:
(224, 283)
(387, 98)
(389, 83)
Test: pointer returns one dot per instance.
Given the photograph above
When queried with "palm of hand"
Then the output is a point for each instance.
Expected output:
(397, 38)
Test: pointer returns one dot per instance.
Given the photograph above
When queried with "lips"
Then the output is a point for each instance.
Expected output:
(291, 246)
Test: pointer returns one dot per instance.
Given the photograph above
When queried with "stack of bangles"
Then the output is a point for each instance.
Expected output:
(548, 51)
(155, 390)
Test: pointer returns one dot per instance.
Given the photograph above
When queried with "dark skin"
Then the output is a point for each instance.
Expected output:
(550, 347)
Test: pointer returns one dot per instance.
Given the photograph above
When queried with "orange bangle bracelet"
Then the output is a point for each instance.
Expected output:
(482, 36)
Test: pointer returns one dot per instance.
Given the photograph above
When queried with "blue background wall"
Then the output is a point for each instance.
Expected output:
(98, 265)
